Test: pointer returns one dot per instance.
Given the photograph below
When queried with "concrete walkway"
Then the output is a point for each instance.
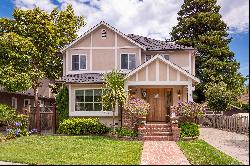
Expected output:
(9, 163)
(233, 144)
(162, 153)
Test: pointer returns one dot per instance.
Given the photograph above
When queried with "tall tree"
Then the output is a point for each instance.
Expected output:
(29, 46)
(201, 26)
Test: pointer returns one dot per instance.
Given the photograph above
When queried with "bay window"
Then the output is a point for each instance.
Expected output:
(88, 100)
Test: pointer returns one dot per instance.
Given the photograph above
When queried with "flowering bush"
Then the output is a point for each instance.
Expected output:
(137, 107)
(190, 109)
(19, 128)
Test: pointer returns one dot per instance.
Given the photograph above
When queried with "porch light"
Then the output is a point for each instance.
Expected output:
(179, 94)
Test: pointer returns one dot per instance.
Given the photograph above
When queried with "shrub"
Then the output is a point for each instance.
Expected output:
(121, 132)
(19, 127)
(82, 126)
(7, 114)
(188, 129)
(245, 106)
(62, 104)
(137, 107)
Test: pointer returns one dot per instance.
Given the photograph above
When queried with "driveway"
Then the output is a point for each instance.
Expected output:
(233, 144)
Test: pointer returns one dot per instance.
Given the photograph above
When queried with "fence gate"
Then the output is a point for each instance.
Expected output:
(44, 120)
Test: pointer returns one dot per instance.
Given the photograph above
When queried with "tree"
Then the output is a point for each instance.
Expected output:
(200, 26)
(219, 98)
(30, 44)
(114, 92)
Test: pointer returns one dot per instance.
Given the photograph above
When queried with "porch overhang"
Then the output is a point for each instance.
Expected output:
(159, 71)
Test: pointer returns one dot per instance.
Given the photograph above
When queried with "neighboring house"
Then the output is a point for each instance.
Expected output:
(18, 100)
(161, 72)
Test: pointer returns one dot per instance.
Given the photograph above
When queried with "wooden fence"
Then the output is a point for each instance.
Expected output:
(239, 124)
(44, 120)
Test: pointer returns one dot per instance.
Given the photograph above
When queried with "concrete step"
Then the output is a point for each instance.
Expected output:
(157, 138)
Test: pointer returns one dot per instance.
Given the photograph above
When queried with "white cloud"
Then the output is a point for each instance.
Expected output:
(236, 14)
(46, 5)
(152, 18)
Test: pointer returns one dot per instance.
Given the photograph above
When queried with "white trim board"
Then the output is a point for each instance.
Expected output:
(166, 62)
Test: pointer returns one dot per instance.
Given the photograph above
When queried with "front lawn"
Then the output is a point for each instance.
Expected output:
(198, 152)
(71, 150)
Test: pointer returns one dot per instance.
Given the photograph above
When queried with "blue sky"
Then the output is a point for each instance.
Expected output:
(146, 17)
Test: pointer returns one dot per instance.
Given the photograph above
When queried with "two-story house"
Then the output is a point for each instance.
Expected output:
(160, 72)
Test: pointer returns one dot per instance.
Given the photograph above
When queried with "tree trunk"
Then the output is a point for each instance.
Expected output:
(113, 110)
(37, 105)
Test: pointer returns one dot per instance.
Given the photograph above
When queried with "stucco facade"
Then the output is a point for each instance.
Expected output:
(102, 47)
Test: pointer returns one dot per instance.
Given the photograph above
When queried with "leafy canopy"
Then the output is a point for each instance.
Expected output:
(114, 92)
(201, 26)
(30, 43)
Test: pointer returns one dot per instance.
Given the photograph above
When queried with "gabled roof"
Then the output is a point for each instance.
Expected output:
(156, 45)
(176, 67)
(108, 26)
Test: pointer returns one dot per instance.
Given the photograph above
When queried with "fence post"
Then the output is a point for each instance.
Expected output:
(54, 118)
(38, 123)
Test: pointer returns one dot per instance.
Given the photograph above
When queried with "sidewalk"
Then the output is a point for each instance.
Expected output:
(231, 143)
(9, 163)
(162, 153)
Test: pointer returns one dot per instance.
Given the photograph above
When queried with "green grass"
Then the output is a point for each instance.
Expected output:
(198, 152)
(71, 150)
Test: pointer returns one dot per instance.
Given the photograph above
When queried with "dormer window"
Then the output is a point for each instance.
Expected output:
(104, 34)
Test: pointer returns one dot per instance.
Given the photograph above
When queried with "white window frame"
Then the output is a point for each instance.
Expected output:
(79, 61)
(145, 60)
(104, 113)
(128, 61)
(93, 98)
(15, 102)
(26, 100)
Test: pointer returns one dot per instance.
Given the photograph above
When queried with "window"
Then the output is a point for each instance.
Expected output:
(79, 62)
(166, 57)
(128, 61)
(26, 102)
(104, 34)
(14, 102)
(147, 57)
(88, 100)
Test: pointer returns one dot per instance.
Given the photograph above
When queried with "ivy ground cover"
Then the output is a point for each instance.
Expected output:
(84, 150)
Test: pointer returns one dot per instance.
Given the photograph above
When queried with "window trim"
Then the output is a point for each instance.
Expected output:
(79, 61)
(26, 100)
(15, 105)
(145, 60)
(74, 96)
(128, 61)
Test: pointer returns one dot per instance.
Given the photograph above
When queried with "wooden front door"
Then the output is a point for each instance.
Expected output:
(156, 99)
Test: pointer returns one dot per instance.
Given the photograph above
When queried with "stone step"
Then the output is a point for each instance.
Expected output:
(162, 129)
(158, 133)
(157, 138)
(156, 125)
